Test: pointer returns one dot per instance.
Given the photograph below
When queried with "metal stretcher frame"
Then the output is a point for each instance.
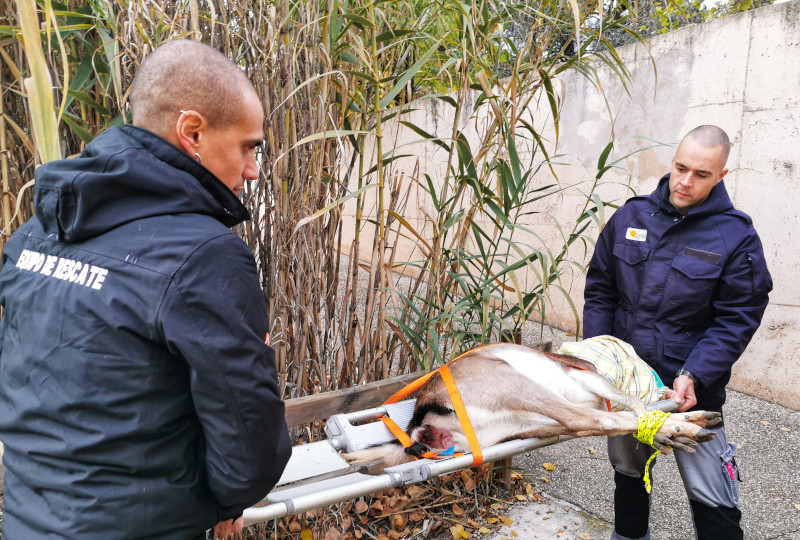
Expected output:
(307, 482)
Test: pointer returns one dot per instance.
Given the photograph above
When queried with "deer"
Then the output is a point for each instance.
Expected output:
(512, 391)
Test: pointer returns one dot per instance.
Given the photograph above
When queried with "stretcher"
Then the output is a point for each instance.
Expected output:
(317, 476)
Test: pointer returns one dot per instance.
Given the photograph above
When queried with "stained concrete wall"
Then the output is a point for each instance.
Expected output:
(742, 73)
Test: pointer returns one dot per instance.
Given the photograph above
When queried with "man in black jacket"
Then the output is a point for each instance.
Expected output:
(138, 392)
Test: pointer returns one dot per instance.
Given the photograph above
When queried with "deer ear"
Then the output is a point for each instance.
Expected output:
(543, 346)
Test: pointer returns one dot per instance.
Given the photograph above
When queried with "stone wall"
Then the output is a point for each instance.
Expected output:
(742, 73)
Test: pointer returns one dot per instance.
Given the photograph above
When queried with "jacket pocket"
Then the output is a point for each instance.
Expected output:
(630, 269)
(630, 253)
(691, 283)
(761, 279)
(675, 354)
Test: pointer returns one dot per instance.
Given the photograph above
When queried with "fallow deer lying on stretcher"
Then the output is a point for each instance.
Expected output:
(515, 392)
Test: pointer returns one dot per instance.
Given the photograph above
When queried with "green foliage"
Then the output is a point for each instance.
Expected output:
(653, 17)
(337, 79)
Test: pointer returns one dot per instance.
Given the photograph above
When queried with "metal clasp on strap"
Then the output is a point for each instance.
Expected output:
(417, 449)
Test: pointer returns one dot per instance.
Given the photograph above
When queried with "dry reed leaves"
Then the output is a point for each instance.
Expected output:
(453, 506)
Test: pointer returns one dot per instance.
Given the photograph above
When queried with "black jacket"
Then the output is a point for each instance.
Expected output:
(138, 398)
(686, 292)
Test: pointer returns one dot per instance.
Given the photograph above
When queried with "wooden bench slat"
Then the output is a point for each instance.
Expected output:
(307, 409)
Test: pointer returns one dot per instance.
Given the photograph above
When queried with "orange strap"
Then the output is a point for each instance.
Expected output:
(461, 412)
(406, 441)
(458, 406)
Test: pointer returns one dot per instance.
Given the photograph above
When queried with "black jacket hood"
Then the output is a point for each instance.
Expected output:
(126, 174)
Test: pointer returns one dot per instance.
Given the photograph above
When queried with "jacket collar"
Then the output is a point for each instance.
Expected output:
(717, 202)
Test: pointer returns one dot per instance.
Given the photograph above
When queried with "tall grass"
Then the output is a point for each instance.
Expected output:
(334, 76)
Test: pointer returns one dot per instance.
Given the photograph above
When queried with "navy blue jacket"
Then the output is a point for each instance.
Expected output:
(686, 292)
(138, 398)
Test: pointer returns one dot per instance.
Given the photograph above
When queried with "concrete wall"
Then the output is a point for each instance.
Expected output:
(742, 73)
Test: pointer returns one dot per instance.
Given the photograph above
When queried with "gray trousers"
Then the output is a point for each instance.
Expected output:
(710, 475)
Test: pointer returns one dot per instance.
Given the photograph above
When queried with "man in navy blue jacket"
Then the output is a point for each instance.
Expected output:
(680, 275)
(138, 393)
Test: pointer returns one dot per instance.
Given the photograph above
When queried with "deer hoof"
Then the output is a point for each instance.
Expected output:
(705, 435)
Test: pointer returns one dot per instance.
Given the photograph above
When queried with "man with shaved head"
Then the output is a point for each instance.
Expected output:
(680, 275)
(138, 392)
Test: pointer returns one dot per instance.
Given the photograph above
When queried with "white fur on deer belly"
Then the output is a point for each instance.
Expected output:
(542, 370)
(492, 426)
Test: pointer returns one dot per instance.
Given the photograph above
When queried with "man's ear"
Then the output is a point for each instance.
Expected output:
(188, 129)
(721, 176)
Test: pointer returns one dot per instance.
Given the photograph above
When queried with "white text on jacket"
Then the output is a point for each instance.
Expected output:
(70, 270)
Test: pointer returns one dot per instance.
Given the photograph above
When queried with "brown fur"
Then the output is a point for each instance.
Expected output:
(563, 396)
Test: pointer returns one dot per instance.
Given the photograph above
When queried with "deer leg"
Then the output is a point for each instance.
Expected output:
(597, 384)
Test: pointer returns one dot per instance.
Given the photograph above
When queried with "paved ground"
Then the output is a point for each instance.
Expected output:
(579, 492)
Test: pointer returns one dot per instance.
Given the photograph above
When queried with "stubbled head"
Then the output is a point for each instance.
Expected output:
(698, 166)
(200, 101)
(183, 75)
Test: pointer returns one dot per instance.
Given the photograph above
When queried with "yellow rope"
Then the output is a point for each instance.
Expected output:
(649, 424)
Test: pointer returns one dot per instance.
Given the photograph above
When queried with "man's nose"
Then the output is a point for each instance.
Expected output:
(251, 168)
(687, 179)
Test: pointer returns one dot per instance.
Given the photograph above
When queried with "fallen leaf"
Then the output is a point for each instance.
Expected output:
(529, 489)
(472, 523)
(549, 466)
(515, 475)
(484, 530)
(399, 521)
(546, 481)
(294, 526)
(466, 474)
(492, 521)
(560, 531)
(522, 498)
(306, 535)
(458, 532)
(416, 515)
(797, 507)
(469, 484)
(361, 507)
(585, 536)
(332, 534)
(765, 422)
(377, 506)
(415, 491)
(591, 450)
(359, 534)
(785, 429)
(496, 506)
(457, 510)
(507, 521)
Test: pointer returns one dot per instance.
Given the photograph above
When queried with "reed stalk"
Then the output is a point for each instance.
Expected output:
(341, 82)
